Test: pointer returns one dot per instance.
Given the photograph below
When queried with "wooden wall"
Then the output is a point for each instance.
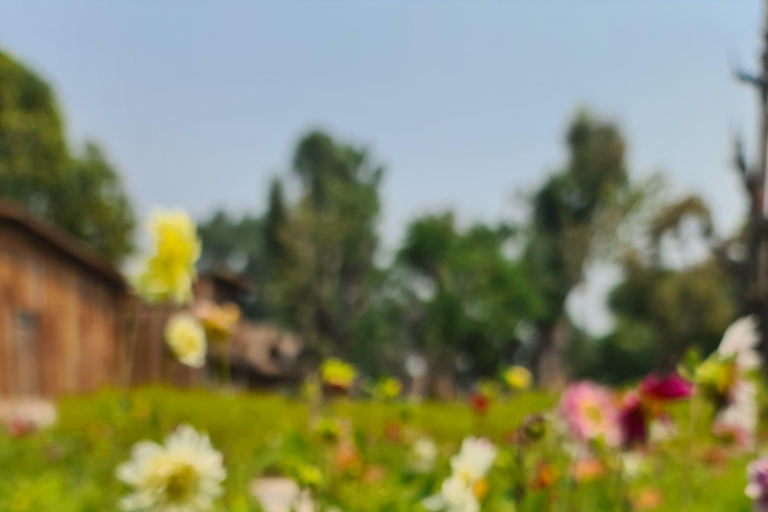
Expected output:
(151, 360)
(60, 322)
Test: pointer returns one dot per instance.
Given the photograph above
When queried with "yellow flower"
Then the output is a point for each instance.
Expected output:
(168, 271)
(388, 388)
(218, 321)
(518, 378)
(186, 338)
(309, 475)
(337, 373)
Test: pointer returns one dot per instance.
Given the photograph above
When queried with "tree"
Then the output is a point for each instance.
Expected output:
(91, 204)
(81, 193)
(322, 246)
(661, 310)
(574, 213)
(470, 297)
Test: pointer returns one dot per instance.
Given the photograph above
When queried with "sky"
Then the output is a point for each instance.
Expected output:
(199, 104)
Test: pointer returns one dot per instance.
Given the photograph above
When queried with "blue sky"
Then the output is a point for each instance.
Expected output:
(199, 103)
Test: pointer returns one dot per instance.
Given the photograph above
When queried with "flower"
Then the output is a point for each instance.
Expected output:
(454, 496)
(337, 374)
(218, 321)
(587, 468)
(466, 487)
(726, 379)
(168, 271)
(309, 475)
(478, 402)
(735, 358)
(183, 475)
(388, 388)
(474, 459)
(739, 418)
(186, 338)
(739, 342)
(518, 378)
(459, 496)
(423, 455)
(633, 464)
(645, 404)
(757, 488)
(590, 413)
(546, 475)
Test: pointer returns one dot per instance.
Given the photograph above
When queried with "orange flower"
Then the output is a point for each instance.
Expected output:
(218, 321)
(546, 475)
(347, 459)
(647, 498)
(586, 469)
(374, 474)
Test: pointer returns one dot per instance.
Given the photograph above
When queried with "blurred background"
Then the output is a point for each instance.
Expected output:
(423, 189)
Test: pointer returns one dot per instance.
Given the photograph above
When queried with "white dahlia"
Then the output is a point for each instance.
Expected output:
(183, 475)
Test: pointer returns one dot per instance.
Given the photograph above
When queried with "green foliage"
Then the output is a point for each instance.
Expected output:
(81, 193)
(661, 312)
(228, 242)
(575, 208)
(470, 293)
(322, 247)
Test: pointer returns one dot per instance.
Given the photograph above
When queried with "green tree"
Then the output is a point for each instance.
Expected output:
(661, 310)
(81, 193)
(322, 246)
(575, 216)
(469, 295)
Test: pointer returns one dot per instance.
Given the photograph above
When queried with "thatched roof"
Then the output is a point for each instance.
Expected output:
(264, 347)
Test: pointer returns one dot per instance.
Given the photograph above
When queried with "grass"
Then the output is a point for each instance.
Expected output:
(363, 457)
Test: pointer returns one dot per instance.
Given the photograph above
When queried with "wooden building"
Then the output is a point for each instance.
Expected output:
(60, 310)
(68, 323)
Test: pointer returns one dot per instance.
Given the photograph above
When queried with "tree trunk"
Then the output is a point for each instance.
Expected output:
(549, 361)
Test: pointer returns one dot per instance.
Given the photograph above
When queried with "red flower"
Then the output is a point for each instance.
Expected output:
(645, 404)
(478, 402)
(665, 389)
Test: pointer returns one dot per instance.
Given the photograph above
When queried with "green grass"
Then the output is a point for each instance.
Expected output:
(70, 468)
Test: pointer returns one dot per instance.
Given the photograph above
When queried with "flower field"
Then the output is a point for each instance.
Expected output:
(687, 440)
(365, 455)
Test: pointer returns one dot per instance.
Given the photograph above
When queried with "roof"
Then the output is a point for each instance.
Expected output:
(43, 229)
(240, 281)
(265, 348)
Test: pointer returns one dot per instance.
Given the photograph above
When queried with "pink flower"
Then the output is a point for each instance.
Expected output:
(645, 404)
(590, 413)
(757, 488)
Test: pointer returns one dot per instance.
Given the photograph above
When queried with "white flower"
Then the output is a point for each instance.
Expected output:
(633, 464)
(661, 430)
(456, 495)
(740, 416)
(466, 487)
(474, 459)
(423, 455)
(459, 495)
(183, 475)
(186, 338)
(739, 341)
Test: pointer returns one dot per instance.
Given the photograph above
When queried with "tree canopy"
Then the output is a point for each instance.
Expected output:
(78, 190)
